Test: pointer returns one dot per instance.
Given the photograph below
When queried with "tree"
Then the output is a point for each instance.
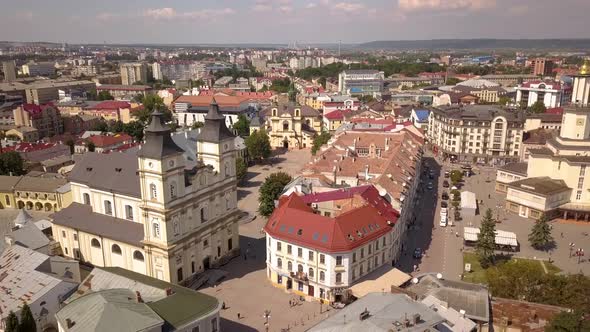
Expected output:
(152, 102)
(322, 81)
(11, 163)
(242, 126)
(116, 126)
(241, 168)
(27, 322)
(568, 322)
(456, 176)
(197, 124)
(104, 95)
(292, 92)
(486, 241)
(538, 107)
(540, 237)
(101, 126)
(11, 322)
(270, 191)
(503, 101)
(258, 145)
(320, 140)
(134, 129)
(452, 81)
(90, 146)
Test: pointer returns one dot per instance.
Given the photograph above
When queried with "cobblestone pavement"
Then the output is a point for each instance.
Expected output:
(246, 289)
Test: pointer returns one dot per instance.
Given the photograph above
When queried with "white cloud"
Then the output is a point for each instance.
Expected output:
(311, 5)
(168, 13)
(286, 9)
(262, 6)
(442, 5)
(107, 16)
(161, 13)
(348, 7)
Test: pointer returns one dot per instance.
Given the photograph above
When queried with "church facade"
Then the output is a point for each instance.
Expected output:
(151, 213)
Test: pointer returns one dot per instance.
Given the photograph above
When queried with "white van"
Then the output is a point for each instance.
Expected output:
(443, 221)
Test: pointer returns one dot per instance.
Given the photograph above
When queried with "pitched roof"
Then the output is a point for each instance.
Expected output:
(111, 105)
(205, 100)
(214, 129)
(116, 172)
(294, 221)
(422, 115)
(518, 168)
(103, 141)
(289, 108)
(80, 217)
(543, 185)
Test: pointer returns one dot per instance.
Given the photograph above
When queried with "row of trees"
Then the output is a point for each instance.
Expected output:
(270, 191)
(26, 323)
(11, 163)
(389, 67)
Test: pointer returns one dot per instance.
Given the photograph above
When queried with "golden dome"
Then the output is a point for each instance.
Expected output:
(585, 70)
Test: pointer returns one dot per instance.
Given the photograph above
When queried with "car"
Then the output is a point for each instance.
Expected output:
(447, 174)
(443, 212)
(445, 196)
(445, 184)
(430, 186)
(443, 204)
(417, 253)
(443, 222)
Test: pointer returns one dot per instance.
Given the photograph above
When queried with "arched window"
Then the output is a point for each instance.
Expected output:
(86, 198)
(285, 125)
(322, 276)
(310, 272)
(173, 190)
(138, 256)
(115, 249)
(94, 243)
(290, 266)
(338, 277)
(279, 263)
(108, 207)
(153, 191)
(297, 112)
(299, 268)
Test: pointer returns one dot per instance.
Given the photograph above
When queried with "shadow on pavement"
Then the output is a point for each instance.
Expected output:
(230, 325)
(243, 193)
(252, 258)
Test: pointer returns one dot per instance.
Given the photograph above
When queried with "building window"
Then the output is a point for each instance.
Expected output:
(226, 169)
(300, 286)
(63, 234)
(299, 268)
(289, 266)
(138, 256)
(156, 229)
(214, 325)
(108, 207)
(322, 259)
(370, 249)
(582, 170)
(176, 227)
(86, 198)
(66, 250)
(115, 249)
(338, 260)
(338, 278)
(196, 329)
(322, 276)
(376, 261)
(75, 237)
(94, 243)
(310, 273)
(173, 190)
(362, 253)
(578, 195)
(128, 212)
(311, 255)
(289, 249)
(279, 263)
(153, 191)
(203, 215)
(285, 125)
(354, 257)
(299, 252)
(361, 270)
(279, 246)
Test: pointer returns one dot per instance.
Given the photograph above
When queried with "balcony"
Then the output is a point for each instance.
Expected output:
(299, 276)
(339, 268)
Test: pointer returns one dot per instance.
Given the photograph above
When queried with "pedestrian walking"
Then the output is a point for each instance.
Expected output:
(239, 316)
(562, 235)
(223, 305)
(415, 267)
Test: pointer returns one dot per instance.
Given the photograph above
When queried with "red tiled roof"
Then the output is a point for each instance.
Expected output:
(36, 109)
(554, 110)
(28, 147)
(204, 100)
(108, 140)
(111, 105)
(294, 222)
(336, 115)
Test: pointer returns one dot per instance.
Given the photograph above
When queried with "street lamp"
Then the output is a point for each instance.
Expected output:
(579, 253)
(572, 245)
(266, 317)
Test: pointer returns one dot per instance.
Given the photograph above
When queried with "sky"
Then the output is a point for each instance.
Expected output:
(286, 21)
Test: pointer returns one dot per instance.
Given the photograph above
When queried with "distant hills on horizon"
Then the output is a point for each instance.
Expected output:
(479, 43)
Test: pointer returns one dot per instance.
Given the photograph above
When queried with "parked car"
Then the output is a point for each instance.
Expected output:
(445, 196)
(417, 253)
(443, 212)
(445, 184)
(447, 174)
(443, 204)
(457, 215)
(443, 222)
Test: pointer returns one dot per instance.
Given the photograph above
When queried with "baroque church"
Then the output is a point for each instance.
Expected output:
(151, 213)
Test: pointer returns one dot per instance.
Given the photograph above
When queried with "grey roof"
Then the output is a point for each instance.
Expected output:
(516, 168)
(29, 236)
(214, 129)
(543, 185)
(187, 141)
(478, 113)
(289, 108)
(22, 218)
(384, 310)
(158, 143)
(569, 158)
(28, 183)
(116, 172)
(7, 183)
(108, 310)
(80, 217)
(472, 298)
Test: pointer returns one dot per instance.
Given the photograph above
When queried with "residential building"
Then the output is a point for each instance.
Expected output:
(488, 95)
(34, 193)
(536, 139)
(333, 120)
(361, 82)
(581, 86)
(557, 184)
(419, 118)
(24, 133)
(384, 312)
(547, 120)
(150, 214)
(509, 79)
(43, 91)
(9, 70)
(521, 316)
(319, 245)
(476, 133)
(111, 295)
(291, 126)
(27, 276)
(542, 67)
(551, 94)
(191, 109)
(103, 143)
(46, 119)
(390, 160)
(125, 91)
(36, 154)
(79, 123)
(133, 72)
(85, 70)
(33, 69)
(510, 173)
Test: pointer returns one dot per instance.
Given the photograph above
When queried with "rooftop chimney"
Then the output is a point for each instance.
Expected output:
(70, 323)
(168, 291)
(138, 297)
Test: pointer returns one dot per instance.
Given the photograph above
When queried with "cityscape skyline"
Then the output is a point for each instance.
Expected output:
(321, 21)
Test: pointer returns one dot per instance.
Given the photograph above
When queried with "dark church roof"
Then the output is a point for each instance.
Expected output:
(214, 129)
(158, 142)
